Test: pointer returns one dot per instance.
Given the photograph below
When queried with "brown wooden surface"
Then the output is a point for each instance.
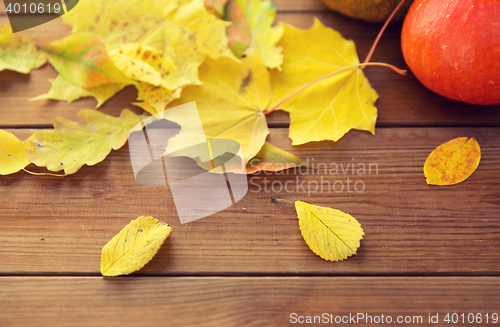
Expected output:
(403, 100)
(411, 228)
(426, 250)
(239, 301)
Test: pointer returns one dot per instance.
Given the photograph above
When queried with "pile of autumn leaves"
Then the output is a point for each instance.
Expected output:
(237, 66)
(225, 55)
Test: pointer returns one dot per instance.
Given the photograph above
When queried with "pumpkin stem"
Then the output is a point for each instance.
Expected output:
(374, 45)
(282, 201)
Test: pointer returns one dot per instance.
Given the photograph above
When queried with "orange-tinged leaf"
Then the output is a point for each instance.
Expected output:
(82, 60)
(253, 28)
(269, 158)
(238, 33)
(272, 158)
(216, 7)
(452, 162)
(134, 246)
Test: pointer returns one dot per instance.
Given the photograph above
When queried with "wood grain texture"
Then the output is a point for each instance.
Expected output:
(248, 265)
(411, 228)
(403, 100)
(300, 5)
(246, 301)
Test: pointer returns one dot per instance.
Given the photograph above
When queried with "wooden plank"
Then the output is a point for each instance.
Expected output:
(300, 5)
(261, 301)
(403, 100)
(411, 227)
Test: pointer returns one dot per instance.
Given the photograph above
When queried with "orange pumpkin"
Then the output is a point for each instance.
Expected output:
(369, 10)
(453, 48)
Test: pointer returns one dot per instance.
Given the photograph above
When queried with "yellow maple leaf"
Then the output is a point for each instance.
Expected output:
(134, 246)
(452, 162)
(330, 233)
(70, 145)
(325, 111)
(65, 91)
(18, 53)
(180, 44)
(237, 92)
(12, 156)
(260, 16)
(331, 107)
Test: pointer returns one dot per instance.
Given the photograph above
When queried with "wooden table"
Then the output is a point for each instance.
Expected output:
(427, 250)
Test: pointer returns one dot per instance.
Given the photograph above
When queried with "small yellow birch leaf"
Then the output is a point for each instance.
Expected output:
(65, 91)
(135, 68)
(238, 92)
(71, 145)
(331, 107)
(170, 76)
(12, 156)
(18, 53)
(134, 246)
(330, 233)
(452, 162)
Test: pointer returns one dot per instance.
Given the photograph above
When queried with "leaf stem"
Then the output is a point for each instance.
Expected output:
(44, 174)
(282, 201)
(374, 45)
(397, 70)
